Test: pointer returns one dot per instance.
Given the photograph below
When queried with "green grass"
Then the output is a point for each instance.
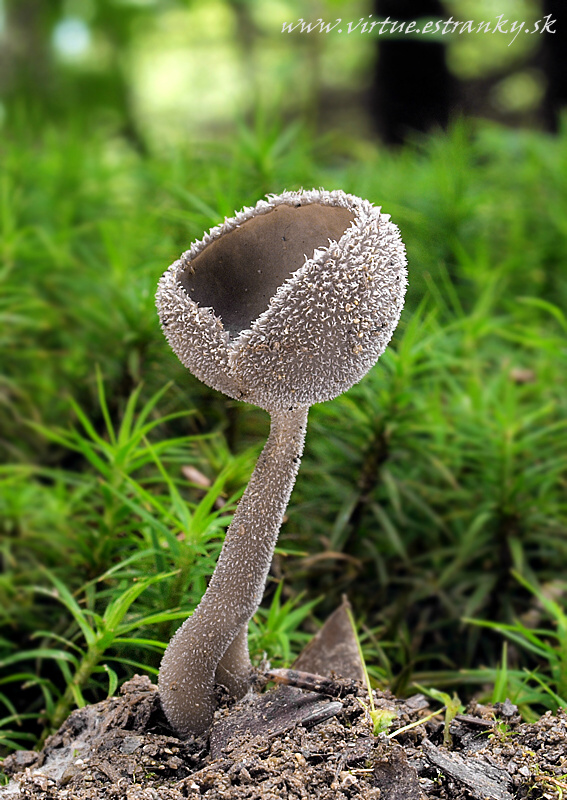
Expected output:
(433, 493)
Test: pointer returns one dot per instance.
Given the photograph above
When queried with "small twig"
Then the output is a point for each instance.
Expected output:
(416, 723)
(310, 681)
(559, 785)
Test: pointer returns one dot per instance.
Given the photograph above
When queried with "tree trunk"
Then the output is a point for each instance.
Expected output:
(412, 88)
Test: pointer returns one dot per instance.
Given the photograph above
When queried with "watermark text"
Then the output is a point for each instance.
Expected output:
(439, 27)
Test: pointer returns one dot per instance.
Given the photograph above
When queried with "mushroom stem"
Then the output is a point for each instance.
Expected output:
(211, 646)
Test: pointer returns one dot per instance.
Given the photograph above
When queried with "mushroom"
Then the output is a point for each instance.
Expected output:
(286, 304)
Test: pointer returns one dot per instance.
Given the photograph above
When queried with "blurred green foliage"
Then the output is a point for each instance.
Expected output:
(163, 70)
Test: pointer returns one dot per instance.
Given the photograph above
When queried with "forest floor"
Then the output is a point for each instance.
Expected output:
(122, 749)
(309, 737)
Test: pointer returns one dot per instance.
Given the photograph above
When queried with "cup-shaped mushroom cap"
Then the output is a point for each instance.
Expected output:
(288, 303)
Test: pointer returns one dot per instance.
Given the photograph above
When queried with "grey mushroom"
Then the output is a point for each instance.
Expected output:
(284, 305)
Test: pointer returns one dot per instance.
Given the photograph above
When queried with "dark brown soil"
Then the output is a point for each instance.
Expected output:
(122, 749)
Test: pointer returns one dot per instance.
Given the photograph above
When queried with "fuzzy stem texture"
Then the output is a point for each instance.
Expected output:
(211, 646)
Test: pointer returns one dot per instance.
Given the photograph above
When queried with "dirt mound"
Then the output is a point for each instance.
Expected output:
(122, 748)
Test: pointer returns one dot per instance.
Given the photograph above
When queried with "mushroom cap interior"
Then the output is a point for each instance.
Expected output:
(238, 273)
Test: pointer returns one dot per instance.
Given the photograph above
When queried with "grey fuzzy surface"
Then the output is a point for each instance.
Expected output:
(322, 329)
